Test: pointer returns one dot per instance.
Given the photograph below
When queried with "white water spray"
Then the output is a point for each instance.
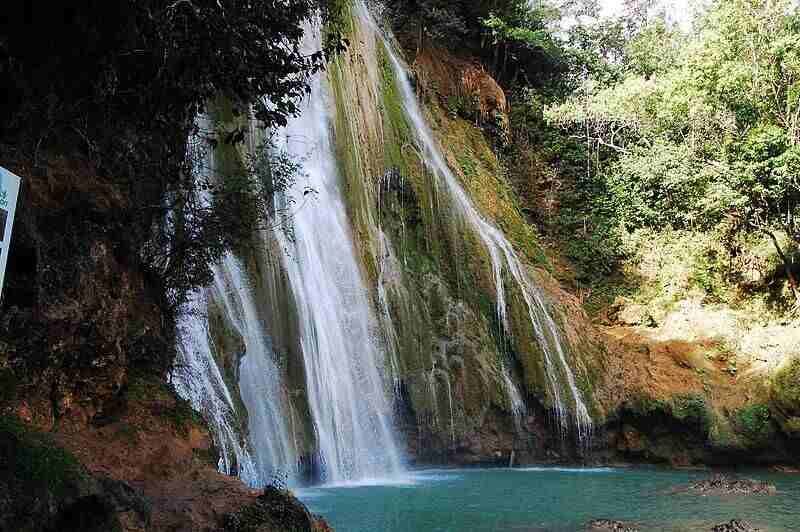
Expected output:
(260, 380)
(339, 333)
(199, 381)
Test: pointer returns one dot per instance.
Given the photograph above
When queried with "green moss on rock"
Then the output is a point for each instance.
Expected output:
(34, 459)
(692, 409)
(43, 487)
(791, 426)
(786, 387)
(754, 422)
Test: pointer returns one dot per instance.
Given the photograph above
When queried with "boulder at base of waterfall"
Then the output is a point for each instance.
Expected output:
(735, 525)
(611, 525)
(727, 485)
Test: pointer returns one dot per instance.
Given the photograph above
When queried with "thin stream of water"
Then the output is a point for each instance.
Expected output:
(502, 254)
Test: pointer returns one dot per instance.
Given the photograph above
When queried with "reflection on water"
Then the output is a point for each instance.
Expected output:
(543, 498)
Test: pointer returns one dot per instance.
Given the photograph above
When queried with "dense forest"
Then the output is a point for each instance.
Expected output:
(675, 136)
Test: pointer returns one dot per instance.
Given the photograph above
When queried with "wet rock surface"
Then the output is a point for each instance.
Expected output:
(727, 485)
(274, 509)
(735, 525)
(611, 525)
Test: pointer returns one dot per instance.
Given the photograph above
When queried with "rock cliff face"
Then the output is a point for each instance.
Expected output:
(699, 384)
(78, 310)
(658, 392)
(91, 435)
(454, 369)
(458, 370)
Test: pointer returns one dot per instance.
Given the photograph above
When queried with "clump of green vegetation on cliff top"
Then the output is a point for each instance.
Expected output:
(689, 409)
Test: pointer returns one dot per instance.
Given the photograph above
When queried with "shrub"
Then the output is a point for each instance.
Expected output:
(755, 423)
(691, 409)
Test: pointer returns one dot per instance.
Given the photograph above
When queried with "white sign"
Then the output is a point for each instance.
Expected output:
(9, 190)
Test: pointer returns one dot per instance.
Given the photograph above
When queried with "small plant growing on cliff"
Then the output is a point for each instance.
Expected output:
(691, 409)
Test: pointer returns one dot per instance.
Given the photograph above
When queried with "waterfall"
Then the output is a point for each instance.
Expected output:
(342, 346)
(269, 451)
(200, 382)
(344, 330)
(502, 254)
(514, 398)
(260, 380)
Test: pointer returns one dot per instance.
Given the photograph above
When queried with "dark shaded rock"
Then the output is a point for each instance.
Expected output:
(115, 506)
(735, 525)
(275, 509)
(44, 488)
(611, 524)
(725, 485)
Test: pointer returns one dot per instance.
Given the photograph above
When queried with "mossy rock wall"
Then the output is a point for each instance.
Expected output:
(430, 271)
(430, 274)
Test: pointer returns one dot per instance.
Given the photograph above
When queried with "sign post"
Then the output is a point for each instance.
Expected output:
(9, 190)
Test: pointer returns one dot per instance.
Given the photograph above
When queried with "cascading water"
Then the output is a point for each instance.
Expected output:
(501, 252)
(260, 381)
(198, 378)
(339, 334)
(347, 349)
(201, 383)
(270, 451)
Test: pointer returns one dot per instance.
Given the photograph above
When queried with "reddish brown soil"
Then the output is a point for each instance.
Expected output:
(168, 463)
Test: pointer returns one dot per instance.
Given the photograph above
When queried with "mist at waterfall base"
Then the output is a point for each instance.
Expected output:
(548, 499)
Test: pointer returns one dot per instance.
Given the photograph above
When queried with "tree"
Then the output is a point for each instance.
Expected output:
(121, 84)
(653, 50)
(702, 131)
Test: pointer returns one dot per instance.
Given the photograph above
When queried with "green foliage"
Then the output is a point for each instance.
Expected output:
(647, 406)
(695, 132)
(502, 33)
(595, 50)
(755, 423)
(120, 86)
(32, 459)
(654, 49)
(792, 427)
(512, 37)
(691, 409)
(661, 186)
